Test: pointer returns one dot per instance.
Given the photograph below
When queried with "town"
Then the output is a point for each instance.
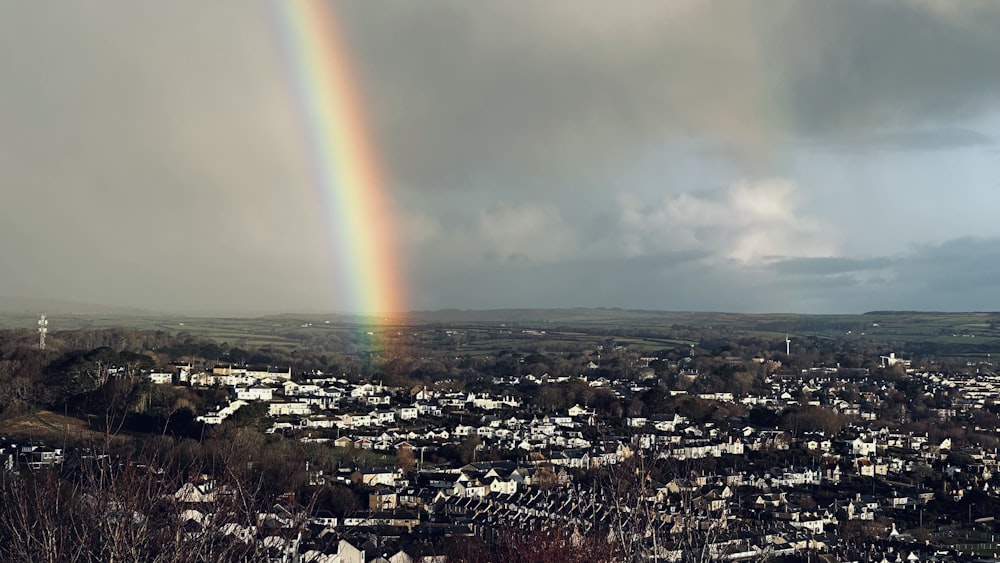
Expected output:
(719, 447)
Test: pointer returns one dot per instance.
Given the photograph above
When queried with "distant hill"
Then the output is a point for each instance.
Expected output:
(544, 316)
(954, 333)
(23, 306)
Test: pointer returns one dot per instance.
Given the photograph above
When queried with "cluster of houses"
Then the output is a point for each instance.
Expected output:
(29, 454)
(542, 484)
(869, 471)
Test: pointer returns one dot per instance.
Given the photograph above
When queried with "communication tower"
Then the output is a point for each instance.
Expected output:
(43, 329)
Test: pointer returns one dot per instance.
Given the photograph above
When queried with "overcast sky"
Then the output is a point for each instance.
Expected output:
(741, 156)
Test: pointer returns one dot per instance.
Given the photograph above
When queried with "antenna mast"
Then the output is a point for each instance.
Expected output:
(43, 329)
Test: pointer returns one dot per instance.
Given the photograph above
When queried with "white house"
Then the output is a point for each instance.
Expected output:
(862, 447)
(289, 409)
(255, 393)
(407, 413)
(160, 378)
(383, 416)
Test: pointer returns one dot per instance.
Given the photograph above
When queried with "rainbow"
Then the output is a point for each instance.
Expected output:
(346, 174)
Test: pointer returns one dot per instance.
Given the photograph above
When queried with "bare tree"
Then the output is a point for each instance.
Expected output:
(550, 544)
(38, 521)
(651, 521)
(104, 507)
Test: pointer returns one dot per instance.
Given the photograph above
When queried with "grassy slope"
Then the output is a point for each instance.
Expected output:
(47, 426)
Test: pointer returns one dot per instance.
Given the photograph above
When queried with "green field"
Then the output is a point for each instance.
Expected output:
(485, 332)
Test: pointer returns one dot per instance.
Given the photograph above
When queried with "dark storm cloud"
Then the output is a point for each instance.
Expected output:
(511, 94)
(874, 63)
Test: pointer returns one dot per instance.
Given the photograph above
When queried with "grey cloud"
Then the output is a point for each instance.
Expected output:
(148, 157)
(944, 138)
(961, 274)
(663, 281)
(826, 266)
(745, 221)
(918, 139)
(957, 266)
(150, 153)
